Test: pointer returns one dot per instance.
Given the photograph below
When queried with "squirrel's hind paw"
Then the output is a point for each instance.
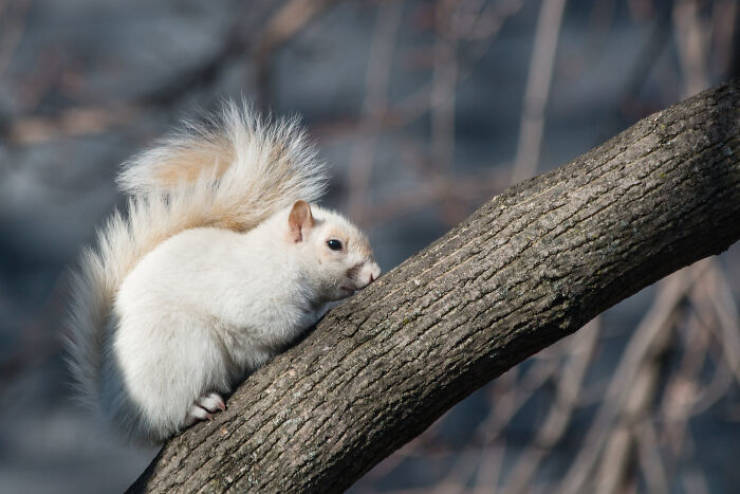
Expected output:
(204, 408)
(211, 402)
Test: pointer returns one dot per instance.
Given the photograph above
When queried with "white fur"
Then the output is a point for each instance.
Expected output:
(174, 305)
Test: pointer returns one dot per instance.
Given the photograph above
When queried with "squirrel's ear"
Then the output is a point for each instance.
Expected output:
(300, 220)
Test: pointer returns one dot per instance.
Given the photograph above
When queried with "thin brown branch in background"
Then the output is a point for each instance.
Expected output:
(374, 106)
(73, 122)
(625, 439)
(726, 311)
(646, 59)
(692, 40)
(682, 386)
(725, 16)
(237, 42)
(12, 25)
(671, 293)
(292, 17)
(444, 81)
(577, 357)
(541, 67)
(649, 457)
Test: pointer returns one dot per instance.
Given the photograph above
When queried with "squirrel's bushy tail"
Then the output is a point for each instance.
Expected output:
(233, 171)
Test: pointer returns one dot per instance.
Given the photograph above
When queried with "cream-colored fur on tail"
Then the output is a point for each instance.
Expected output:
(232, 172)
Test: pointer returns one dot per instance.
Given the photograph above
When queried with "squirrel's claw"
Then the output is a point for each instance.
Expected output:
(211, 402)
(204, 408)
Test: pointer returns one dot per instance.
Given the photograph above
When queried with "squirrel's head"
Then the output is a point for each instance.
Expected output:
(340, 251)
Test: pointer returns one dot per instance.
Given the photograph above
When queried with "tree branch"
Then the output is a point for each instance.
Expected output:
(531, 266)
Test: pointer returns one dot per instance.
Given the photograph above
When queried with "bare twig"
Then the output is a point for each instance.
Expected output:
(538, 89)
(291, 18)
(693, 41)
(671, 292)
(579, 352)
(72, 122)
(375, 105)
(12, 30)
(442, 104)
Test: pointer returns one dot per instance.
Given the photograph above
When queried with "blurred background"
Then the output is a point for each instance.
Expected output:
(424, 110)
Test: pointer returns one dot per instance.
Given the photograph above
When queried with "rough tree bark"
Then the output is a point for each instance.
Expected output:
(529, 267)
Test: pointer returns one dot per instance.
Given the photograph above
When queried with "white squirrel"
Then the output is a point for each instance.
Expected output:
(219, 264)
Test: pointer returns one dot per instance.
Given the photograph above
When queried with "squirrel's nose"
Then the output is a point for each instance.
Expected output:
(369, 273)
(374, 272)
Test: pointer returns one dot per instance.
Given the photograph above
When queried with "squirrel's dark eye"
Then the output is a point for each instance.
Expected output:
(334, 244)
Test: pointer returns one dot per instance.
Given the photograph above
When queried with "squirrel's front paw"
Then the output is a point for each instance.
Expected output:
(204, 408)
